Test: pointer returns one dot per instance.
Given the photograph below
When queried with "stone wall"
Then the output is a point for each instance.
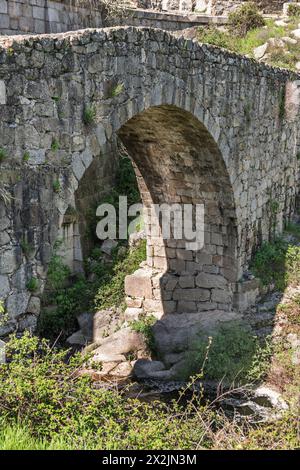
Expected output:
(202, 126)
(47, 16)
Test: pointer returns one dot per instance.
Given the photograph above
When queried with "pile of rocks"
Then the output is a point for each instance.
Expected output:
(263, 53)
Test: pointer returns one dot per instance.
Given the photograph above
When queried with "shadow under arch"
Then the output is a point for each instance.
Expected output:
(177, 161)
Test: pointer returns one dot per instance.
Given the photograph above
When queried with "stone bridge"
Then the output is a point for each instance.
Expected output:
(202, 125)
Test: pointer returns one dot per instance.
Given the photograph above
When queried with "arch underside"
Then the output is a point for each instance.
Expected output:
(178, 162)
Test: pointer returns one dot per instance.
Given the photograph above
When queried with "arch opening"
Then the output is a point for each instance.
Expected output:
(178, 163)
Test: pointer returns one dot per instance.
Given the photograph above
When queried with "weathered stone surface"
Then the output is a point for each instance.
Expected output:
(177, 333)
(77, 338)
(108, 245)
(34, 305)
(183, 115)
(209, 281)
(105, 323)
(118, 344)
(144, 368)
(139, 284)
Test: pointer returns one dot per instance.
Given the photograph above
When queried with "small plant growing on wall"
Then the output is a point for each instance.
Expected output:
(3, 314)
(33, 284)
(26, 156)
(89, 115)
(54, 145)
(2, 154)
(26, 247)
(56, 186)
(117, 90)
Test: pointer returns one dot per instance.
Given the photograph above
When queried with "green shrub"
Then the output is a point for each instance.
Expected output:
(277, 262)
(89, 115)
(213, 35)
(55, 145)
(26, 156)
(3, 314)
(294, 10)
(144, 326)
(228, 355)
(111, 290)
(43, 396)
(244, 19)
(56, 186)
(3, 154)
(33, 284)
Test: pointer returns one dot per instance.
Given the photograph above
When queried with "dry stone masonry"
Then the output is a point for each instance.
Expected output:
(202, 125)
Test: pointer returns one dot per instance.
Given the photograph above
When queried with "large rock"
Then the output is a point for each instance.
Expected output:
(179, 332)
(77, 339)
(105, 323)
(260, 51)
(296, 33)
(116, 346)
(145, 369)
(108, 245)
(139, 284)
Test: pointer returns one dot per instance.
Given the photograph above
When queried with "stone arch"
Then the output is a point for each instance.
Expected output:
(178, 162)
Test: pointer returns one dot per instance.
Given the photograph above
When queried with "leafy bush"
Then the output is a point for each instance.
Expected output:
(144, 326)
(213, 35)
(244, 19)
(3, 315)
(294, 10)
(231, 354)
(3, 154)
(277, 262)
(111, 290)
(89, 115)
(33, 284)
(45, 403)
(43, 395)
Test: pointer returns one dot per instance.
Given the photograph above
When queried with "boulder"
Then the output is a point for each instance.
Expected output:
(177, 333)
(77, 339)
(265, 396)
(146, 369)
(260, 51)
(85, 321)
(117, 345)
(296, 33)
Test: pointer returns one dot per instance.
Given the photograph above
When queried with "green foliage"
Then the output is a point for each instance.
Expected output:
(89, 115)
(51, 405)
(111, 289)
(144, 326)
(294, 10)
(55, 145)
(45, 403)
(282, 103)
(58, 272)
(27, 248)
(3, 314)
(56, 186)
(26, 156)
(254, 38)
(229, 355)
(116, 90)
(33, 284)
(3, 154)
(277, 262)
(244, 19)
